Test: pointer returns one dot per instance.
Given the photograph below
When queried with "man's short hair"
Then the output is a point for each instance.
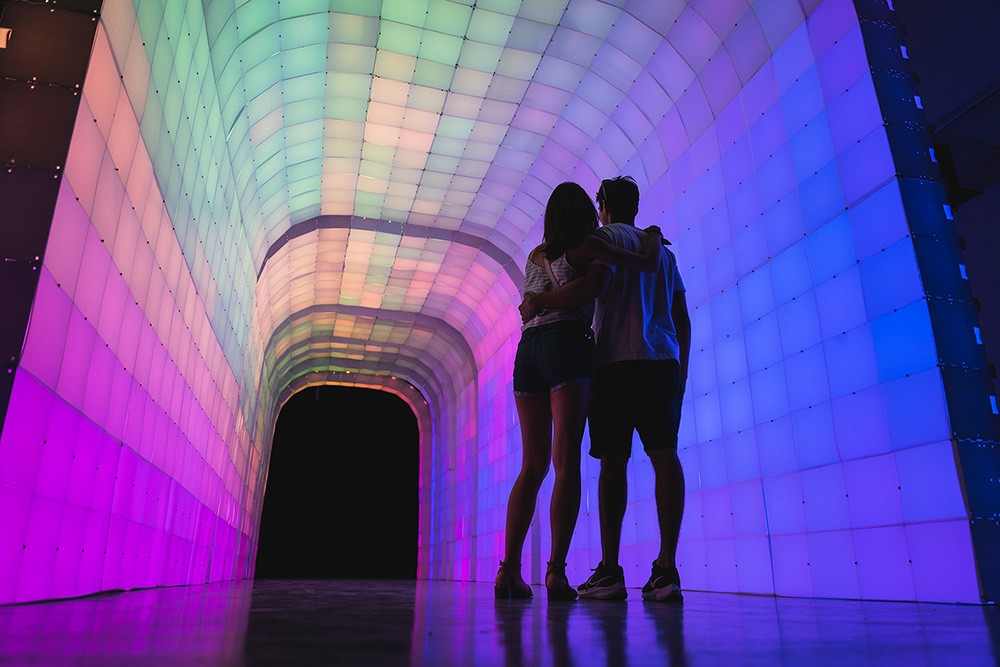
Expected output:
(620, 196)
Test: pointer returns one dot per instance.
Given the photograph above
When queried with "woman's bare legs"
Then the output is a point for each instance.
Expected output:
(551, 430)
(569, 416)
(535, 416)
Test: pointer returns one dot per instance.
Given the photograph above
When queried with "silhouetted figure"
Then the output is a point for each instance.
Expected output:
(643, 337)
(553, 368)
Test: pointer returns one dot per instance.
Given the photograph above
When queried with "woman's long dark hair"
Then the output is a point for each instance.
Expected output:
(569, 217)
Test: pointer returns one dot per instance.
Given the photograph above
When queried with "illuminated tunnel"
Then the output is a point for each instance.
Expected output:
(211, 205)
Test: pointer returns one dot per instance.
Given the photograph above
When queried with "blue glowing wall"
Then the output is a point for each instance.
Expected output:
(839, 405)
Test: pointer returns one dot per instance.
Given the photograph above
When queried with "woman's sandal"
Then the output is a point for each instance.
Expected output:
(557, 585)
(507, 587)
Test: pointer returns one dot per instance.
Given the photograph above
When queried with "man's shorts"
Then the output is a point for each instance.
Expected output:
(551, 356)
(643, 396)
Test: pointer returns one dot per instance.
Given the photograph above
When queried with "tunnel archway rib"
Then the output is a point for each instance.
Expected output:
(416, 401)
(450, 367)
(505, 258)
(444, 433)
(355, 291)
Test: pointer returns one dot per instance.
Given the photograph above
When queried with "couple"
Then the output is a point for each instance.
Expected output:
(625, 283)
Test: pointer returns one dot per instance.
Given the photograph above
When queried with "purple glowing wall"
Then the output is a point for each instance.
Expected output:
(122, 464)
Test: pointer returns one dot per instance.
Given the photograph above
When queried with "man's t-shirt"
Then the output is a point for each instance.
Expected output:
(632, 317)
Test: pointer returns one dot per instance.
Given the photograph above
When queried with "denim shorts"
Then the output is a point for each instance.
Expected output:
(642, 396)
(550, 356)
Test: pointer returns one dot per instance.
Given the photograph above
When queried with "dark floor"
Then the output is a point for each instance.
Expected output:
(374, 623)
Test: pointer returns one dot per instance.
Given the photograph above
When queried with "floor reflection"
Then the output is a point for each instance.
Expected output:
(374, 623)
(188, 625)
(557, 617)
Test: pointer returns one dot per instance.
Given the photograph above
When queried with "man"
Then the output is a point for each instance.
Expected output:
(643, 336)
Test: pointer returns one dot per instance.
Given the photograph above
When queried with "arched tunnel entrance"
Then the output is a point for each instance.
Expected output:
(342, 490)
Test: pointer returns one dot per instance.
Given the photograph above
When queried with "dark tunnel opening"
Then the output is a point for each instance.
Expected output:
(342, 490)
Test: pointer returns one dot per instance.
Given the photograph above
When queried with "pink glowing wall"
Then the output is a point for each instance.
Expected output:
(122, 460)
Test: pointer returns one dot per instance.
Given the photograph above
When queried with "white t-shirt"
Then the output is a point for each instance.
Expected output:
(632, 317)
(536, 279)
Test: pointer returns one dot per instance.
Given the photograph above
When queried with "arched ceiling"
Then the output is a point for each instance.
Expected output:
(392, 158)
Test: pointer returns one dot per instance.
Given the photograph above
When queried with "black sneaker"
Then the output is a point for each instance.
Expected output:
(664, 585)
(607, 583)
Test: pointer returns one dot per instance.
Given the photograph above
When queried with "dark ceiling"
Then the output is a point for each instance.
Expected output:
(952, 48)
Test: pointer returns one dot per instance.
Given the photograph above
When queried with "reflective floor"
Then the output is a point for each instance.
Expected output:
(374, 623)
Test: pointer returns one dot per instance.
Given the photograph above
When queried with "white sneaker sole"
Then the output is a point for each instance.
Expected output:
(670, 593)
(604, 594)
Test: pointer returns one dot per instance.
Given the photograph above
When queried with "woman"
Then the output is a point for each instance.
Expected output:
(552, 372)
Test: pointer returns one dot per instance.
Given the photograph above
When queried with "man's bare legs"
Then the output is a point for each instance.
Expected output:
(612, 498)
(607, 582)
(669, 492)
